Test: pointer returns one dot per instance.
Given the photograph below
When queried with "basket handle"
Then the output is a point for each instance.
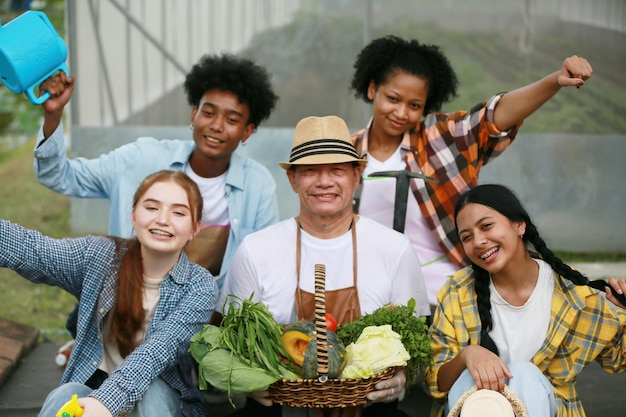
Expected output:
(321, 337)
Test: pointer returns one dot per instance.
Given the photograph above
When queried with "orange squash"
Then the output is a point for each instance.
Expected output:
(299, 341)
(296, 337)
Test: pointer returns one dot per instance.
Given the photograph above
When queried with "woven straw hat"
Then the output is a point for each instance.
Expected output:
(322, 140)
(488, 403)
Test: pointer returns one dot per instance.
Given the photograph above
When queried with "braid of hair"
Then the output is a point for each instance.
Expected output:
(561, 268)
(481, 286)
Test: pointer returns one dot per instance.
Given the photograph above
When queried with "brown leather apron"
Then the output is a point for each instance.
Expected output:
(343, 303)
(208, 247)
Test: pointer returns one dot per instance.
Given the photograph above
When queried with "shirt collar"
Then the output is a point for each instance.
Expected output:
(235, 175)
(180, 272)
(181, 154)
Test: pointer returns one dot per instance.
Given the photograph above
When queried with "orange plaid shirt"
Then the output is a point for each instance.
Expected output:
(451, 147)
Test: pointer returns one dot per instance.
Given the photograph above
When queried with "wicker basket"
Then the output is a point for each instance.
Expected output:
(324, 392)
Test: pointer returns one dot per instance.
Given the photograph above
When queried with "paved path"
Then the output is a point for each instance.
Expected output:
(28, 372)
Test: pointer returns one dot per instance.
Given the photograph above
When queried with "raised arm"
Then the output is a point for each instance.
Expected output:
(60, 88)
(520, 103)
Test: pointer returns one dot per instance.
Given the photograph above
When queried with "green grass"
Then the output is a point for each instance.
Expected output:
(26, 202)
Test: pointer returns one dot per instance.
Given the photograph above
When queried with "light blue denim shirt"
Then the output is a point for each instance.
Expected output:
(250, 188)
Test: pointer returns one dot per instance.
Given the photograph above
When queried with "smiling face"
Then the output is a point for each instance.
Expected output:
(163, 220)
(325, 190)
(398, 104)
(220, 123)
(490, 239)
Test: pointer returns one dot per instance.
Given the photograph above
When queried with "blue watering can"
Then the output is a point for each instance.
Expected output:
(30, 51)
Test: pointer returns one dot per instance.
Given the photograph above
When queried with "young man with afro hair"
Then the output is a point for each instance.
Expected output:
(229, 97)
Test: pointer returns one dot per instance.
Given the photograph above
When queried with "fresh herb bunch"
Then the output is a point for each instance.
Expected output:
(412, 329)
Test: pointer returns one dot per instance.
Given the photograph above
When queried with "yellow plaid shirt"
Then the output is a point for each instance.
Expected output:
(583, 327)
(452, 147)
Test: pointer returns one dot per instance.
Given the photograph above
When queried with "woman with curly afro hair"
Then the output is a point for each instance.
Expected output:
(407, 83)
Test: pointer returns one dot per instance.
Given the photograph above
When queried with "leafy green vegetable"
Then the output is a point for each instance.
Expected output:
(412, 329)
(250, 331)
(244, 354)
(223, 370)
(206, 339)
(377, 349)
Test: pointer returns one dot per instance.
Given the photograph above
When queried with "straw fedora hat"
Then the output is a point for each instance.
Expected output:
(322, 140)
(488, 403)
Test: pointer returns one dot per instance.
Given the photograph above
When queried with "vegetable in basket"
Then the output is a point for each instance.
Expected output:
(413, 331)
(244, 354)
(300, 343)
(376, 349)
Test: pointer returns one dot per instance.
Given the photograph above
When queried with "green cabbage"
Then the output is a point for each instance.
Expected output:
(376, 349)
(223, 370)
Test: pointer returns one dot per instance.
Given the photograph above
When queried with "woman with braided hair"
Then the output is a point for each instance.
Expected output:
(519, 316)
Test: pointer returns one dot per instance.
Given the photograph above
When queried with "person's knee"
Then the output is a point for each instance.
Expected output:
(159, 399)
(533, 388)
(60, 395)
(68, 389)
(522, 366)
(463, 383)
(524, 369)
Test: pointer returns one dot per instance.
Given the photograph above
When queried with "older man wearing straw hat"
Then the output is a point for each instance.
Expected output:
(367, 265)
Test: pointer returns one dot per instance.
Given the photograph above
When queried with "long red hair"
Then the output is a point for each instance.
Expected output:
(127, 315)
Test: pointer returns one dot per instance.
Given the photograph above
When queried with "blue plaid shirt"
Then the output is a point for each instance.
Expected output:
(87, 268)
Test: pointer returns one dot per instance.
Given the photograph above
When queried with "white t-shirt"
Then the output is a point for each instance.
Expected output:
(516, 338)
(265, 264)
(214, 204)
(377, 202)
